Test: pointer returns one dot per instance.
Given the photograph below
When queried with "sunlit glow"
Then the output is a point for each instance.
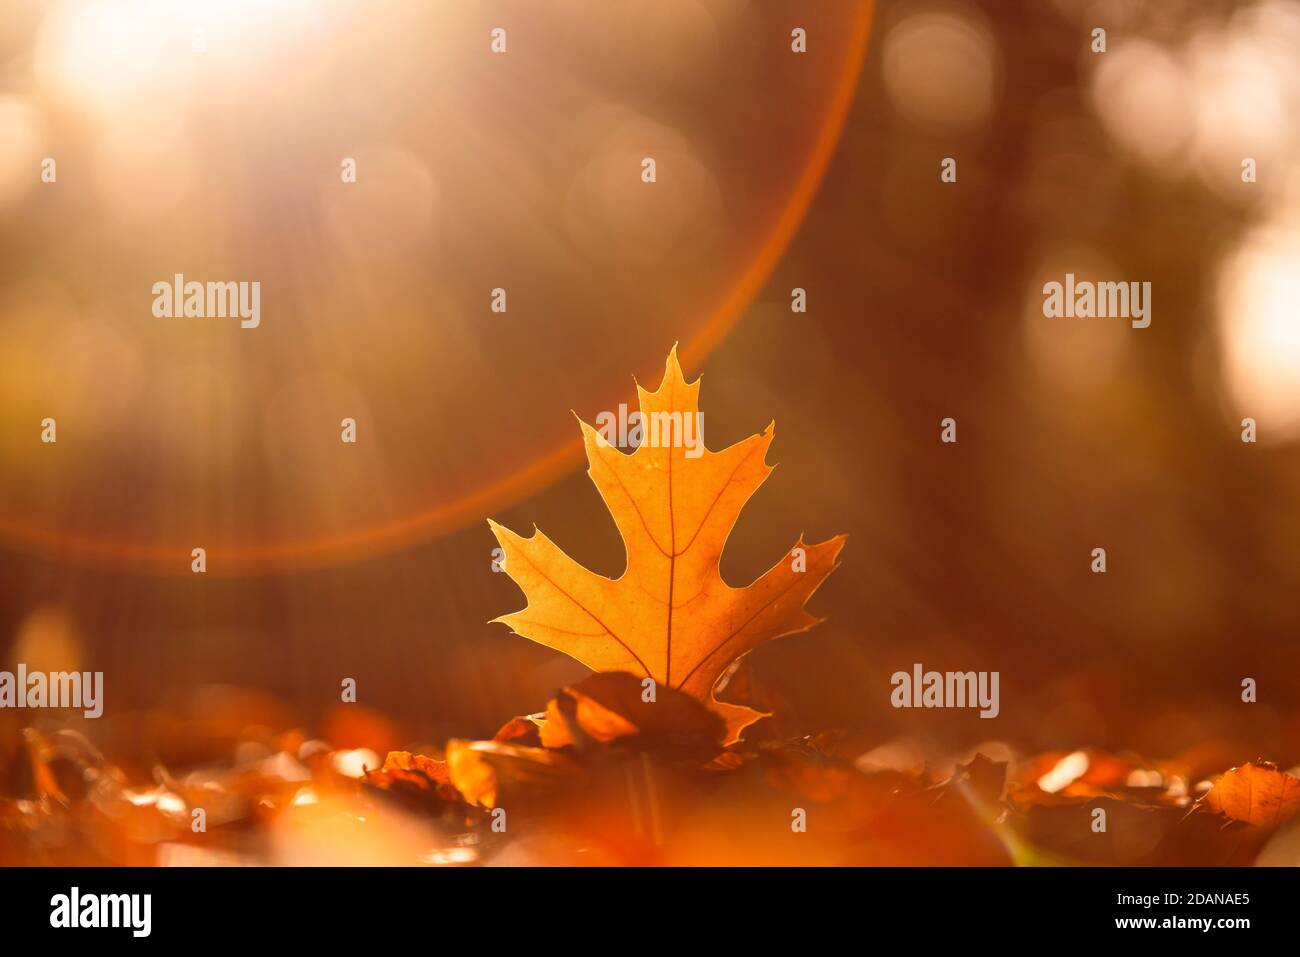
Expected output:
(1065, 772)
(160, 798)
(942, 68)
(447, 856)
(1247, 89)
(207, 137)
(1142, 778)
(103, 53)
(1259, 315)
(355, 763)
(1225, 93)
(20, 134)
(1140, 91)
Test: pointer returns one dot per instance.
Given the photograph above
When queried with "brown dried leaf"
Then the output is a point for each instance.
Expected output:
(482, 770)
(610, 706)
(982, 779)
(523, 731)
(416, 769)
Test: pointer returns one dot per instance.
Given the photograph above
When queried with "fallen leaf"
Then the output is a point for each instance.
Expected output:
(611, 706)
(669, 616)
(520, 731)
(982, 780)
(482, 770)
(426, 782)
(1257, 793)
(404, 765)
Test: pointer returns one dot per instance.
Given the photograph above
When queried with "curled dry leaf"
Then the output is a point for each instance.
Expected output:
(669, 616)
(404, 771)
(982, 780)
(520, 731)
(483, 770)
(1257, 793)
(611, 706)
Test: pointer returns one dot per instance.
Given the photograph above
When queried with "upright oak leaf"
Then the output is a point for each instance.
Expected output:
(669, 616)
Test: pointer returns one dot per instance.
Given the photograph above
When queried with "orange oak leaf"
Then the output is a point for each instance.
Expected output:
(669, 616)
(1258, 794)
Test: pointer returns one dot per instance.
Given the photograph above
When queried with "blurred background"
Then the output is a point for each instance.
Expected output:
(206, 138)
